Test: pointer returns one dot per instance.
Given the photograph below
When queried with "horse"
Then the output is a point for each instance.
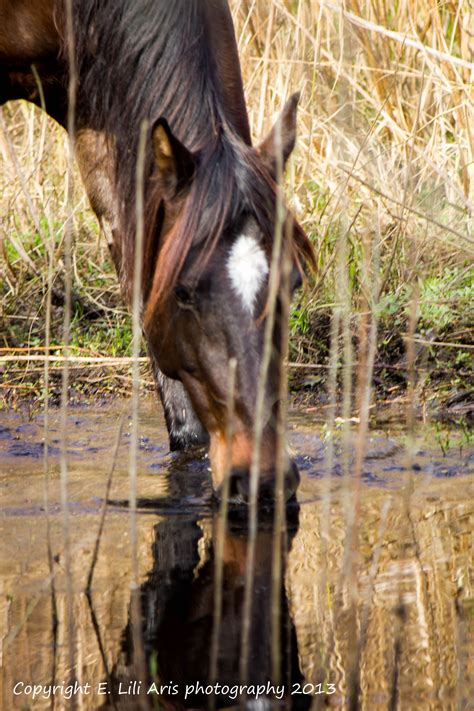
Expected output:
(210, 198)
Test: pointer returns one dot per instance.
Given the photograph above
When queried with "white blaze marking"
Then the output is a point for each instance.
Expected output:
(247, 267)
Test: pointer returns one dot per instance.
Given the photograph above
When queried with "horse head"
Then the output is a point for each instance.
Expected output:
(208, 302)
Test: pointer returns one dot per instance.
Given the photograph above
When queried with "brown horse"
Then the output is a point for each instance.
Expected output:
(210, 197)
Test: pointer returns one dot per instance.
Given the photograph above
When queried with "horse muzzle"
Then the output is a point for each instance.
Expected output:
(240, 486)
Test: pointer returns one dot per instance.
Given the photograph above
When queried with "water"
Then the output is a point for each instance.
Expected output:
(388, 622)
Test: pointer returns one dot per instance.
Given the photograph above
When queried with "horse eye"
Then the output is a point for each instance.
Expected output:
(184, 296)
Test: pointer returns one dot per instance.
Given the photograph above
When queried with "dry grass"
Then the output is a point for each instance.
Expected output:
(382, 179)
(383, 176)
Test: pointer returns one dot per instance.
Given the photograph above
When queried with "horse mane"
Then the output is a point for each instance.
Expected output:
(142, 60)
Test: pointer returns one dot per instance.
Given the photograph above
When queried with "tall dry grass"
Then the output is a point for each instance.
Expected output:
(382, 179)
(383, 175)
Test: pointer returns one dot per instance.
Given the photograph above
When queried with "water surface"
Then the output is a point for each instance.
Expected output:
(380, 619)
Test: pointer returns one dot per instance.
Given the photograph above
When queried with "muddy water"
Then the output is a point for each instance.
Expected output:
(386, 622)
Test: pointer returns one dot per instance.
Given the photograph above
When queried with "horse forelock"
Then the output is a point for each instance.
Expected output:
(227, 187)
(215, 200)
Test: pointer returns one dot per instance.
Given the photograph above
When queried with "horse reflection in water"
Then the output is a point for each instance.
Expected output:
(177, 607)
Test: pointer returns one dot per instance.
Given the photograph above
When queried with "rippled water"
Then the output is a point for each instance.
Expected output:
(382, 619)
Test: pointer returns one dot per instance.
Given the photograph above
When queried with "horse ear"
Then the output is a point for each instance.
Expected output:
(174, 163)
(281, 138)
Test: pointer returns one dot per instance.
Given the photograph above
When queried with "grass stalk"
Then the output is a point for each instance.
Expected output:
(139, 661)
(273, 292)
(222, 527)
